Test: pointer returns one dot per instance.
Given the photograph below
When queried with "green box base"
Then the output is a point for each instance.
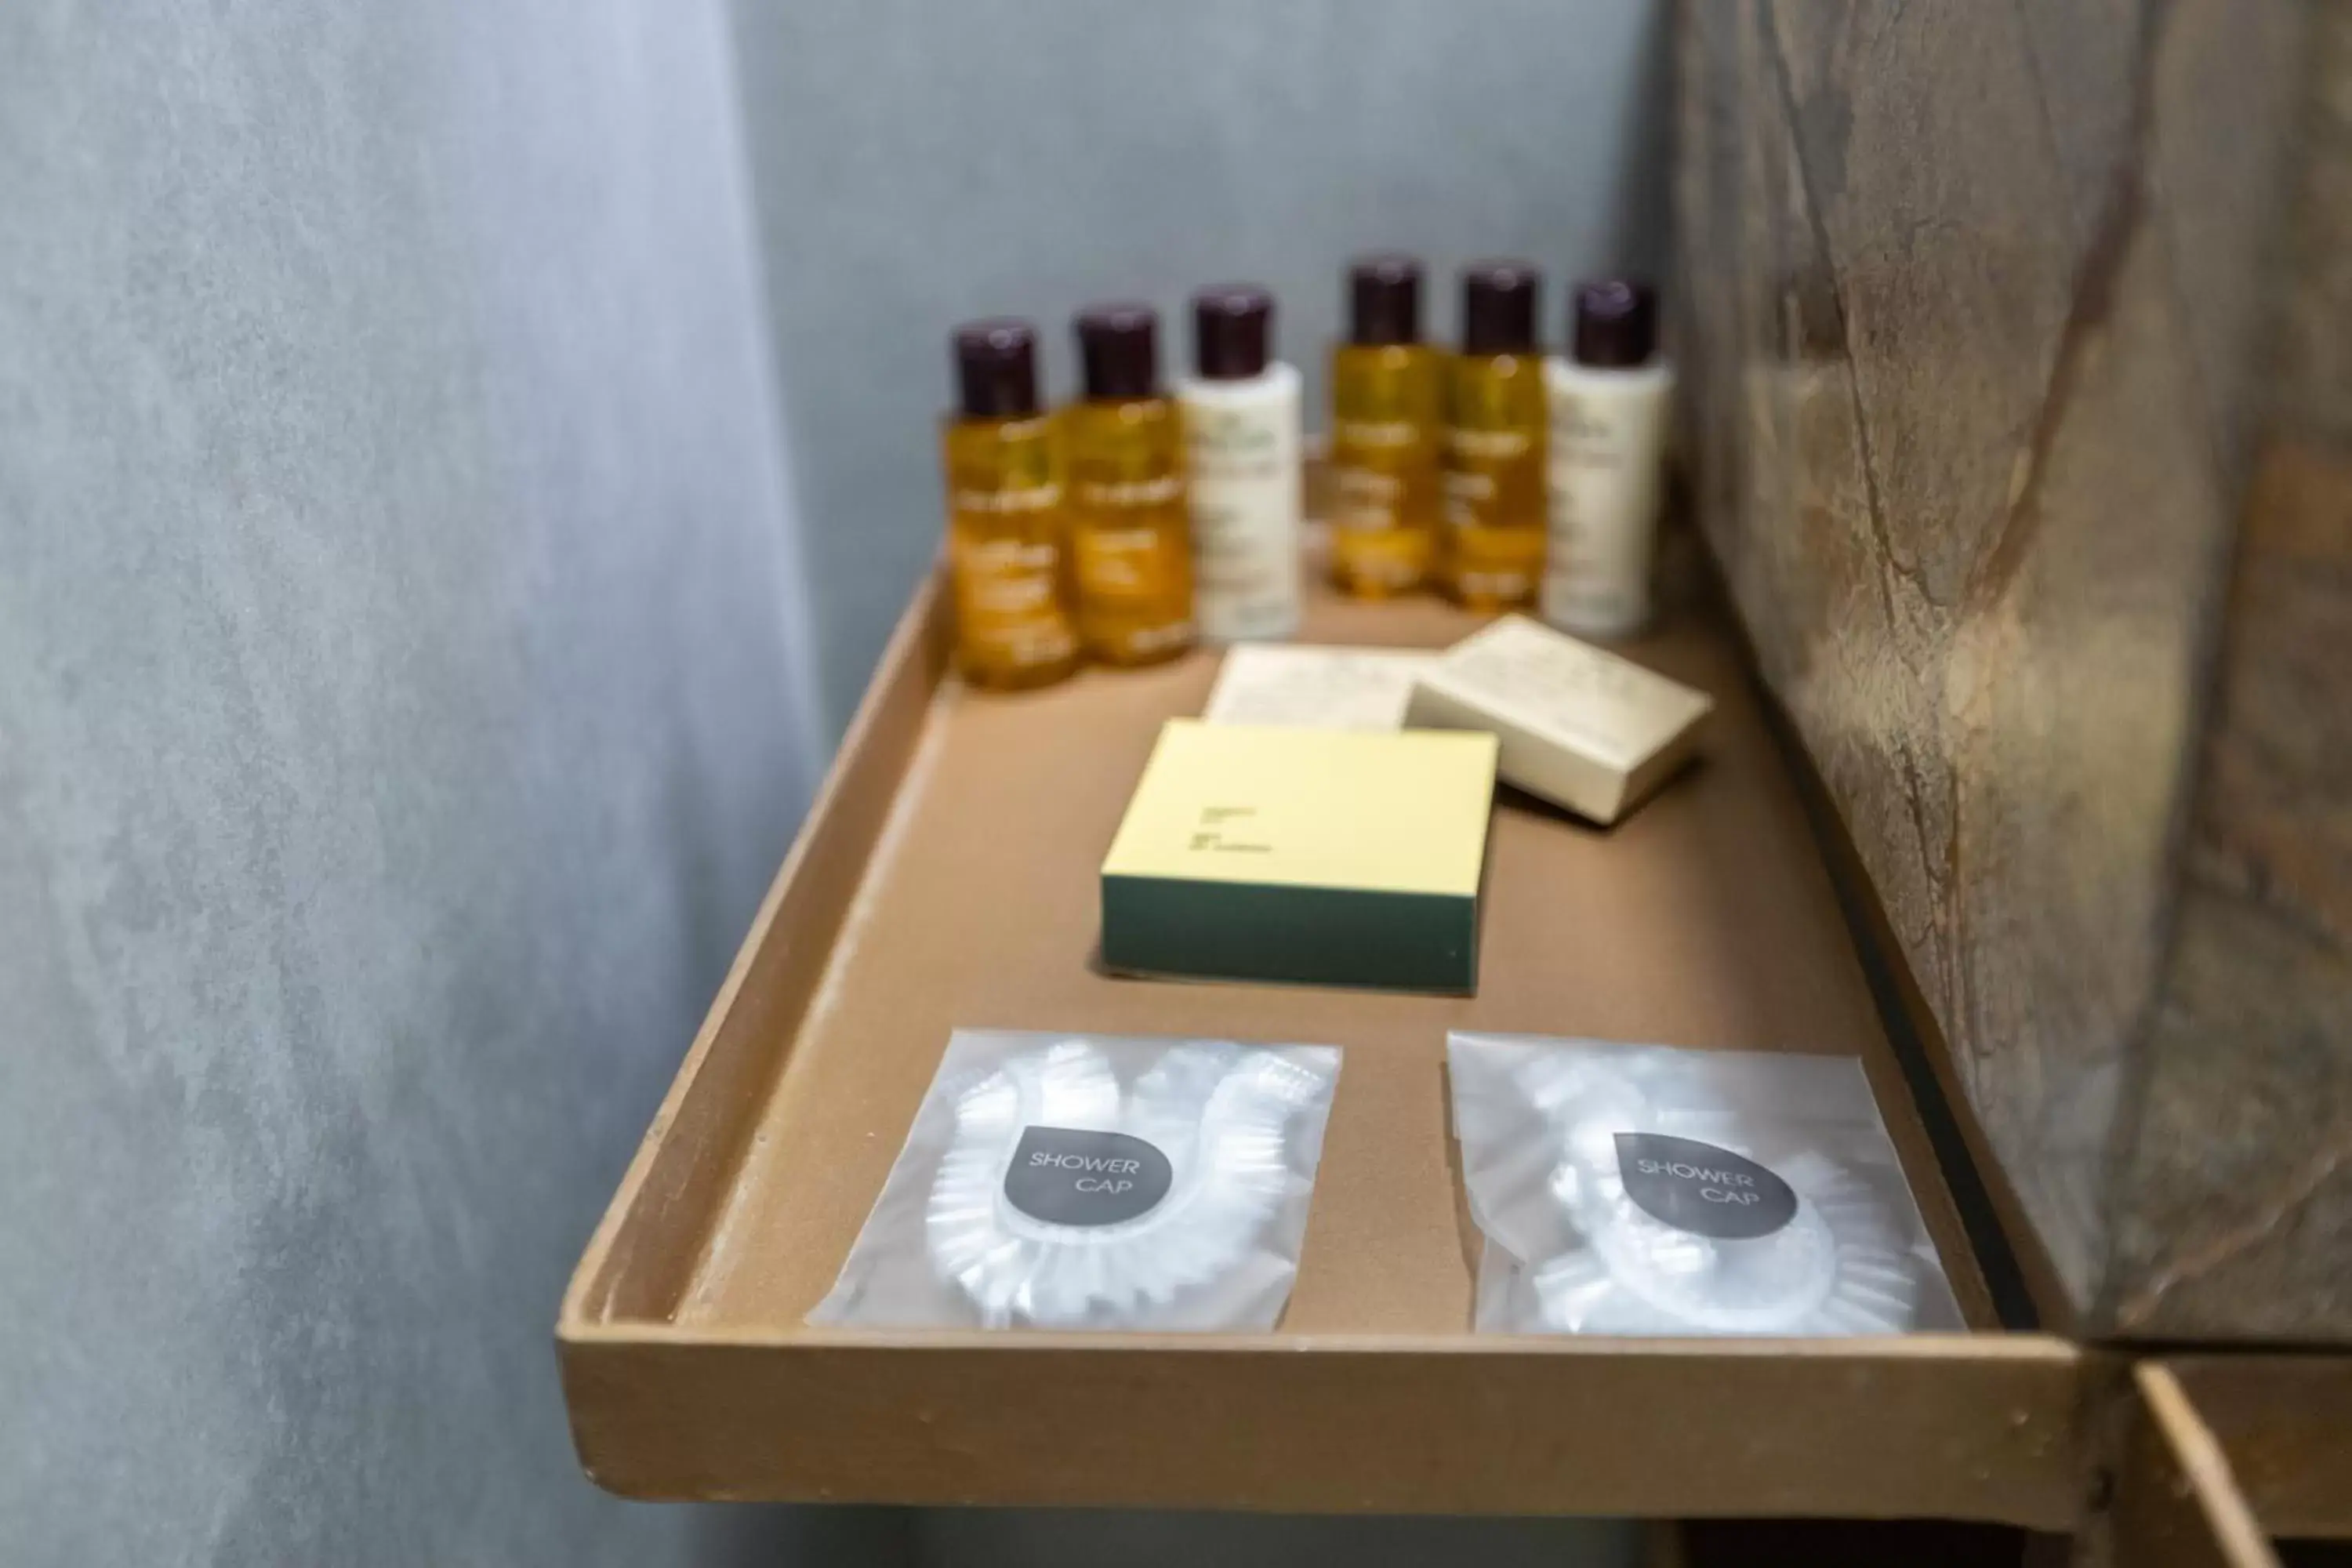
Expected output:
(1310, 936)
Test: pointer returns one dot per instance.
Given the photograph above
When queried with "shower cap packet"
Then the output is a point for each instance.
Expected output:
(1627, 1189)
(1059, 1181)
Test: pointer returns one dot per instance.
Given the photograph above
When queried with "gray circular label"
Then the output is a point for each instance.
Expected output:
(1702, 1189)
(1063, 1175)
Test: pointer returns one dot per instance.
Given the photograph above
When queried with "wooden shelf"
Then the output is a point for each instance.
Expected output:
(947, 877)
(2176, 1504)
(2284, 1421)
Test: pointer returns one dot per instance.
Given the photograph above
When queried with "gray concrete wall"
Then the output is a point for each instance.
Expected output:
(915, 163)
(402, 696)
(400, 714)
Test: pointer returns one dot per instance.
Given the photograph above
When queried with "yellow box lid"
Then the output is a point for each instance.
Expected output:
(1401, 813)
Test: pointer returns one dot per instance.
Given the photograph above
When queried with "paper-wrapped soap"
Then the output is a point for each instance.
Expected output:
(1577, 725)
(1315, 688)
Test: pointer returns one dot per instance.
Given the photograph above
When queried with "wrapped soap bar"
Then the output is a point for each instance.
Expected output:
(1288, 684)
(1644, 1190)
(1091, 1182)
(1577, 725)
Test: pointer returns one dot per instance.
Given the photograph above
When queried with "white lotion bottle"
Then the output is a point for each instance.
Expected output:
(1240, 437)
(1604, 478)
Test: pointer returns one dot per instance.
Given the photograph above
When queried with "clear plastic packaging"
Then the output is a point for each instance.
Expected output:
(1091, 1182)
(1645, 1190)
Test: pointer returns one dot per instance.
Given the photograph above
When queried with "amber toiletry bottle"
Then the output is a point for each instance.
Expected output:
(1387, 425)
(1495, 523)
(1130, 538)
(1005, 517)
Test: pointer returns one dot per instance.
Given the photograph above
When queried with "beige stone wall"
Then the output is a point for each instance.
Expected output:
(2234, 1172)
(1976, 300)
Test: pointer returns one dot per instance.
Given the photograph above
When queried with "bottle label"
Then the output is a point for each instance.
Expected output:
(1602, 500)
(1375, 434)
(1126, 563)
(1483, 569)
(1245, 493)
(1007, 600)
(1493, 493)
(1491, 561)
(1129, 552)
(1383, 557)
(1011, 501)
(1365, 498)
(1505, 490)
(1383, 486)
(1116, 495)
(1384, 503)
(1487, 446)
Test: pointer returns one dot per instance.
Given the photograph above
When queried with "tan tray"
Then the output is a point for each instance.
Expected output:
(947, 877)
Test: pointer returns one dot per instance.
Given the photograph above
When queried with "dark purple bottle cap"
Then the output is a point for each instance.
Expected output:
(1614, 323)
(1498, 307)
(1119, 352)
(1232, 331)
(996, 369)
(1384, 300)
